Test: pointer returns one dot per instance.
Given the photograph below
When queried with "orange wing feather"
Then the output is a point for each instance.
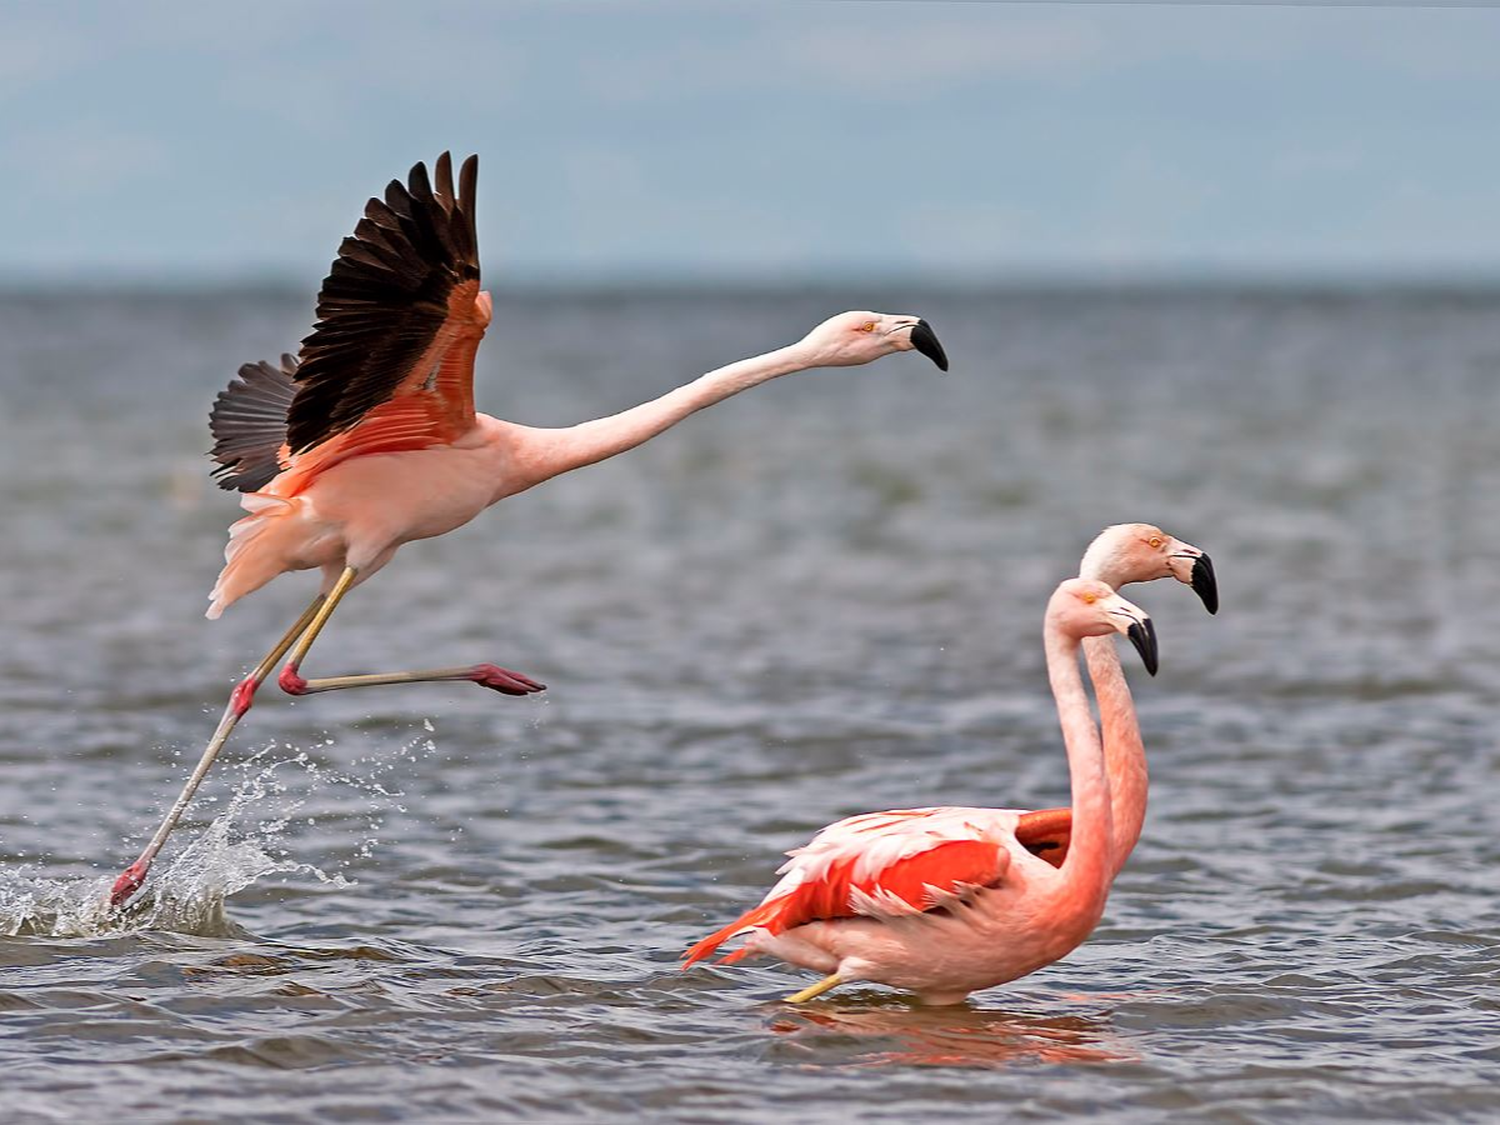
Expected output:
(434, 410)
(399, 315)
(389, 365)
(1046, 834)
(947, 867)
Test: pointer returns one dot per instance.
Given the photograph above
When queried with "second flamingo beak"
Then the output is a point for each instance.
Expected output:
(1142, 634)
(925, 340)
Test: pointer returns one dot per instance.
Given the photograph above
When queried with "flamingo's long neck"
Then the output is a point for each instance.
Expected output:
(1124, 753)
(1088, 869)
(559, 450)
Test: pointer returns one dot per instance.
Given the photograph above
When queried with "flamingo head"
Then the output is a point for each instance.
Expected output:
(853, 338)
(1141, 552)
(1084, 607)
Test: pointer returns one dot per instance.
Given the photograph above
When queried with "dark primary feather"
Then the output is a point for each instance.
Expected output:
(248, 422)
(384, 299)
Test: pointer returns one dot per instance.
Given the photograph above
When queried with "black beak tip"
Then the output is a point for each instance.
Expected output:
(1204, 583)
(1143, 636)
(924, 340)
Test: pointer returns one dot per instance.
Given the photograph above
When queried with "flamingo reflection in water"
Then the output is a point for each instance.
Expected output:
(894, 1033)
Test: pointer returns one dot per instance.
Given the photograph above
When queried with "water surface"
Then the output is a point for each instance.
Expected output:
(434, 903)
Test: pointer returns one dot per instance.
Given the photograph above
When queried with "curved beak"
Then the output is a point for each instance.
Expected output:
(924, 340)
(1133, 622)
(1142, 634)
(1205, 585)
(1196, 569)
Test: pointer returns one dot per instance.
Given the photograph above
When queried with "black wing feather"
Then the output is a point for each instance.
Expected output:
(384, 299)
(248, 422)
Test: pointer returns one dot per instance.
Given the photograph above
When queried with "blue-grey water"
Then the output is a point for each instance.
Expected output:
(433, 903)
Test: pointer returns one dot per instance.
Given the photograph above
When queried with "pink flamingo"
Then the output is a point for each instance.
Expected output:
(945, 901)
(1118, 556)
(369, 439)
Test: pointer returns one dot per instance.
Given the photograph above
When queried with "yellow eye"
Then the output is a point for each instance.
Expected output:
(1090, 598)
(1155, 541)
(868, 326)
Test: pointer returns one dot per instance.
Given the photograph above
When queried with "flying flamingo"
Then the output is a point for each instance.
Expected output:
(369, 438)
(1118, 556)
(945, 901)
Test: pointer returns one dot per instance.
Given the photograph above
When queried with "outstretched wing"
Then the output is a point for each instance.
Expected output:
(248, 422)
(888, 864)
(399, 317)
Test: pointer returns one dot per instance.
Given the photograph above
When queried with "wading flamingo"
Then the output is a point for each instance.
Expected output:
(945, 901)
(369, 438)
(1118, 556)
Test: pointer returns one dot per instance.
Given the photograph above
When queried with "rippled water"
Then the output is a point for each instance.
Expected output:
(820, 598)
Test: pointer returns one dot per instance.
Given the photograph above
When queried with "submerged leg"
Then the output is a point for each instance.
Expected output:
(815, 990)
(486, 675)
(240, 700)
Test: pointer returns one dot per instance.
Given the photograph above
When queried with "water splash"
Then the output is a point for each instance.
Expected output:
(247, 842)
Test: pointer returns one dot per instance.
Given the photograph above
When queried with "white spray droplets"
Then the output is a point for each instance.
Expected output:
(275, 792)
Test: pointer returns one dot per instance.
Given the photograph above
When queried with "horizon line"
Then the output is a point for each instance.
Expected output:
(186, 282)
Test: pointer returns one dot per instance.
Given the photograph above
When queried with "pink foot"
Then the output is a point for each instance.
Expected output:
(128, 883)
(504, 681)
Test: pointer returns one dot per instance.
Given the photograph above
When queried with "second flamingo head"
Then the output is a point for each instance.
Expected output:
(1083, 607)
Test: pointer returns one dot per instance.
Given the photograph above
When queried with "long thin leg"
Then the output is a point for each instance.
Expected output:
(299, 639)
(240, 699)
(321, 615)
(486, 675)
(815, 990)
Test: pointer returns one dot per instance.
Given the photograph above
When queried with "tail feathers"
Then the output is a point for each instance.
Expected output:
(250, 559)
(770, 916)
(248, 422)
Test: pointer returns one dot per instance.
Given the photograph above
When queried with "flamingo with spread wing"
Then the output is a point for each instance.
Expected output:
(368, 439)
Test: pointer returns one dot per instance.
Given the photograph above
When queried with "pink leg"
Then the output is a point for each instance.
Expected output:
(301, 635)
(500, 679)
(240, 700)
(292, 682)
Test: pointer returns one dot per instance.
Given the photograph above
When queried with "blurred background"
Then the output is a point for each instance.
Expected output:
(1233, 270)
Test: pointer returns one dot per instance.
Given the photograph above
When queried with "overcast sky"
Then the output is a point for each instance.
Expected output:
(769, 140)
